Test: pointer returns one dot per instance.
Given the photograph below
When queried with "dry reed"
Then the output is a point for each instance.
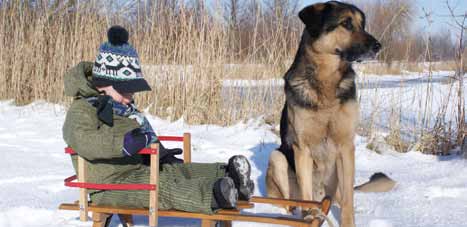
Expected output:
(186, 51)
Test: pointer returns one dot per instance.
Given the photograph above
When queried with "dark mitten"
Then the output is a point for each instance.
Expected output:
(104, 109)
(163, 152)
(134, 141)
(166, 156)
(170, 159)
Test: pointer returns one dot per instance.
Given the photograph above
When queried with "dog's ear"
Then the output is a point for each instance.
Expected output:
(312, 17)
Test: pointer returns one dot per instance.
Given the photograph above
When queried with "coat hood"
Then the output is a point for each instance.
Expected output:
(78, 81)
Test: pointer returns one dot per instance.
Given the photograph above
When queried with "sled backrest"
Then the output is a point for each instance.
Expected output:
(151, 187)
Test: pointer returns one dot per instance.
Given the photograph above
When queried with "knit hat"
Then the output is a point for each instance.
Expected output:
(117, 64)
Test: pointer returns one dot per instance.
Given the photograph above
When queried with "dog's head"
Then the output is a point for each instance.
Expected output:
(339, 28)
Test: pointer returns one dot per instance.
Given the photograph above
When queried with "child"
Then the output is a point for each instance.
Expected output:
(104, 127)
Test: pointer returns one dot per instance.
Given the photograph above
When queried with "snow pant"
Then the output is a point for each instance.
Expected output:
(186, 187)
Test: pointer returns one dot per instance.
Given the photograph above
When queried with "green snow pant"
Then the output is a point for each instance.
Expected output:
(186, 187)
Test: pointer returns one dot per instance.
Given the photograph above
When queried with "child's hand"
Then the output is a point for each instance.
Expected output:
(134, 141)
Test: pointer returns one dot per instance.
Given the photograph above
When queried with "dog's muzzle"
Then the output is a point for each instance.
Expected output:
(360, 52)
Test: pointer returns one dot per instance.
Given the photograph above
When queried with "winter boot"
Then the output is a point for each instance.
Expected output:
(225, 194)
(239, 170)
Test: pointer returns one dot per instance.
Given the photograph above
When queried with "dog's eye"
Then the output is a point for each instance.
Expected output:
(348, 24)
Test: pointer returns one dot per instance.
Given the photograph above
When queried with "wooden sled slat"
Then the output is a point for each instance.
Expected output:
(286, 202)
(241, 204)
(117, 210)
(222, 215)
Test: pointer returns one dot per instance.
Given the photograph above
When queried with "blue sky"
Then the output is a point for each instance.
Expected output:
(438, 9)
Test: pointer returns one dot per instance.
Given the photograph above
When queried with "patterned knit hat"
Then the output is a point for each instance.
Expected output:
(117, 64)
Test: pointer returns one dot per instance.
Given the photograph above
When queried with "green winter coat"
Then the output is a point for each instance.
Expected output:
(185, 187)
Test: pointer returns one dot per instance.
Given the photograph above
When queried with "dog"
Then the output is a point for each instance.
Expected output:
(320, 115)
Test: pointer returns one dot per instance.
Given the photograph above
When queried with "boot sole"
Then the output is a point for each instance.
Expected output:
(242, 170)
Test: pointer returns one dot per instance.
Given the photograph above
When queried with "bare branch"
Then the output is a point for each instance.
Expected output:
(454, 16)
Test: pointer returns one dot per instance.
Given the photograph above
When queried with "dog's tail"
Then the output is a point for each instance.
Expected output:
(378, 182)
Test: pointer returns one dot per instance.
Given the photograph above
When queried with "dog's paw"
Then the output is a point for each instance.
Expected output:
(310, 214)
(309, 218)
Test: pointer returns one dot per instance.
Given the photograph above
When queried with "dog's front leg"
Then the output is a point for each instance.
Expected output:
(304, 174)
(304, 171)
(346, 175)
(343, 133)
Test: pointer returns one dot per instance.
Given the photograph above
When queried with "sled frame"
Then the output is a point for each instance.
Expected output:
(223, 216)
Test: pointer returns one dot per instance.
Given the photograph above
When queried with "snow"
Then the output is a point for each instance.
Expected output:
(431, 191)
(414, 99)
(380, 223)
(362, 79)
(411, 100)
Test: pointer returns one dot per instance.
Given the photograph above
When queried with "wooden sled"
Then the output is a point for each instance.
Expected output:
(224, 217)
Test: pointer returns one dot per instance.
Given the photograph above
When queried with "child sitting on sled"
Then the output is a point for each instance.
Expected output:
(104, 127)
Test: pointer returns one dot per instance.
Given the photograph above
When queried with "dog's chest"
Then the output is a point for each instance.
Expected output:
(324, 152)
(324, 166)
(336, 87)
(311, 129)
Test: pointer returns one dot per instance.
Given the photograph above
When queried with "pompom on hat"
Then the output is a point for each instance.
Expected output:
(117, 64)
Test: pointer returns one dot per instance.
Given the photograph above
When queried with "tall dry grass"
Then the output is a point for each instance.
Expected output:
(185, 51)
(38, 45)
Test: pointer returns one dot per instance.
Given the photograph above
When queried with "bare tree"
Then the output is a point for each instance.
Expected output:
(442, 46)
(232, 10)
(460, 24)
(199, 7)
(251, 14)
(280, 11)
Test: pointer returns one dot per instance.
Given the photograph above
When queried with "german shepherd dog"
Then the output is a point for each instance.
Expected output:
(320, 114)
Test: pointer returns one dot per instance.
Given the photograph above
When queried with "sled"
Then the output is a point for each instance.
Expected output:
(224, 217)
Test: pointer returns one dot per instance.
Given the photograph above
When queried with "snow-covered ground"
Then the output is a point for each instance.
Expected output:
(364, 80)
(431, 191)
(414, 100)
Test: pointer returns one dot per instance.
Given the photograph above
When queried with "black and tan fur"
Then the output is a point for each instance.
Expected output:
(319, 118)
